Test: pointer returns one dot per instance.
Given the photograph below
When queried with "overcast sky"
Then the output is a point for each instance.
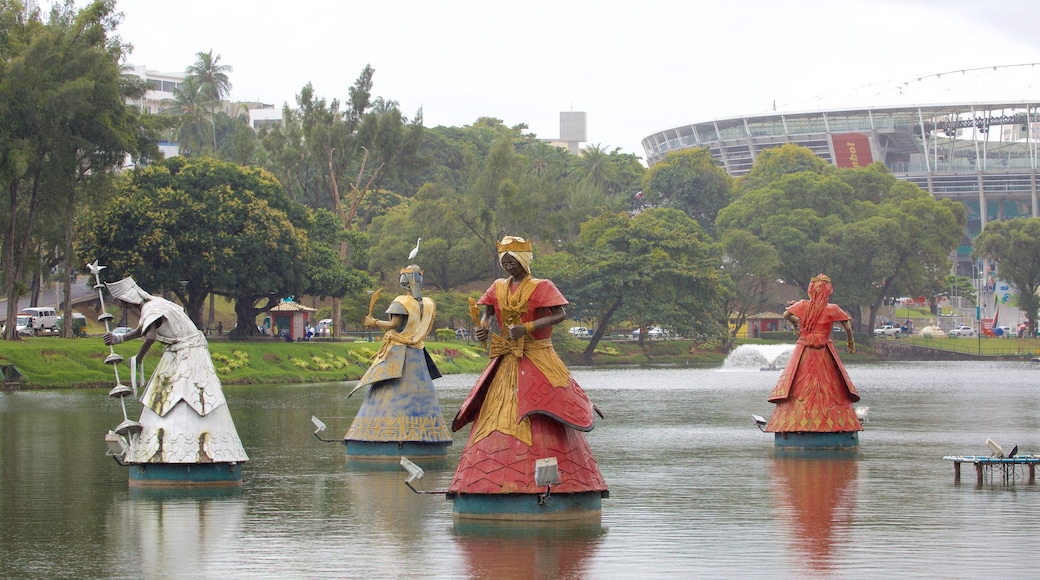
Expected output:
(635, 67)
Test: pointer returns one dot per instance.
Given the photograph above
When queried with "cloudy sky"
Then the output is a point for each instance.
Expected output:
(633, 67)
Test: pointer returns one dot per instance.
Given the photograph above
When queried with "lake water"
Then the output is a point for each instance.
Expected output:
(695, 489)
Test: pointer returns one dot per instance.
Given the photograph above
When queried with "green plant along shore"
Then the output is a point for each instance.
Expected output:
(77, 363)
(51, 362)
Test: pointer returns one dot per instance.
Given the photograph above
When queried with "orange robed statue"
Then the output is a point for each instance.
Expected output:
(814, 395)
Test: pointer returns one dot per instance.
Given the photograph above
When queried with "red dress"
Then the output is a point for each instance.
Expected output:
(525, 406)
(814, 393)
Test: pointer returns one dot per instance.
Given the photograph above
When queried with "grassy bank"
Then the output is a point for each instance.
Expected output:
(51, 362)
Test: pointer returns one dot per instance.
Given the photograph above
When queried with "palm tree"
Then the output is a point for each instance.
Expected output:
(212, 76)
(545, 160)
(213, 81)
(381, 106)
(595, 166)
(191, 106)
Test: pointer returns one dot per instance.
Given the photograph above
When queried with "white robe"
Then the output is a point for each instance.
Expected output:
(185, 419)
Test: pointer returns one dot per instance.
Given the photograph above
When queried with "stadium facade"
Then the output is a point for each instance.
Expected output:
(982, 154)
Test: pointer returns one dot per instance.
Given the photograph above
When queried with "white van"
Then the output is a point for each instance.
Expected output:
(43, 318)
(22, 325)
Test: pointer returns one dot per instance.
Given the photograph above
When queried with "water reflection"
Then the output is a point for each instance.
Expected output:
(815, 495)
(527, 549)
(388, 506)
(173, 530)
(696, 489)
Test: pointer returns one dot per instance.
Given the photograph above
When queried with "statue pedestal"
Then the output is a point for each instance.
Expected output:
(185, 474)
(394, 450)
(816, 440)
(528, 507)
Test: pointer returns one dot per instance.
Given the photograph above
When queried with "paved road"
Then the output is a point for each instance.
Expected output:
(81, 291)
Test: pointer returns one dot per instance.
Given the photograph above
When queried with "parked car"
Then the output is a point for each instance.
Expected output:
(580, 331)
(655, 333)
(1004, 332)
(120, 330)
(887, 330)
(41, 318)
(961, 330)
(23, 325)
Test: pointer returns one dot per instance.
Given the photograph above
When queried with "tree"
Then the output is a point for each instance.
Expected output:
(191, 106)
(773, 163)
(751, 264)
(655, 267)
(236, 140)
(692, 181)
(220, 227)
(594, 166)
(63, 124)
(214, 83)
(1015, 246)
(211, 76)
(877, 237)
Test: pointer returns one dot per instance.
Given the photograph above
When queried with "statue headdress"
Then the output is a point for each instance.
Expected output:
(127, 290)
(820, 290)
(517, 247)
(411, 278)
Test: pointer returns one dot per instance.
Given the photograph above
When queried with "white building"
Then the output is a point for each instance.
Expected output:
(162, 86)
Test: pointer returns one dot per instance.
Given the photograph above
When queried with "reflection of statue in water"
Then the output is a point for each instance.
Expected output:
(816, 496)
(814, 395)
(401, 414)
(185, 420)
(524, 407)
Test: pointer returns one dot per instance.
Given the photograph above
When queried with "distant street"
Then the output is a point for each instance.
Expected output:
(51, 296)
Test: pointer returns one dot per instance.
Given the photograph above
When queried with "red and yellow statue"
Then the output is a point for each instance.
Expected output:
(524, 407)
(814, 395)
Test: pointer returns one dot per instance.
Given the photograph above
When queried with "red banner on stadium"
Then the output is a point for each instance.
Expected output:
(851, 150)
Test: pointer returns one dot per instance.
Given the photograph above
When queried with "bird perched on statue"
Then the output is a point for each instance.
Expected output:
(415, 250)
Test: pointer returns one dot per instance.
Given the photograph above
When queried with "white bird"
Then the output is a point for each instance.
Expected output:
(415, 250)
(861, 414)
(760, 422)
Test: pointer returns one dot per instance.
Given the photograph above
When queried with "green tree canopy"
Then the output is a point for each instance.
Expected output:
(220, 227)
(751, 264)
(64, 126)
(783, 160)
(876, 236)
(692, 181)
(1015, 246)
(658, 267)
(192, 107)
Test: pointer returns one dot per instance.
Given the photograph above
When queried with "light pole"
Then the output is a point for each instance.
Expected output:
(978, 306)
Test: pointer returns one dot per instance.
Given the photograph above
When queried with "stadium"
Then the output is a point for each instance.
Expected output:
(981, 150)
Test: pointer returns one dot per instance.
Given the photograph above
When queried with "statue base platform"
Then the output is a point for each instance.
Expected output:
(528, 507)
(185, 474)
(394, 450)
(817, 440)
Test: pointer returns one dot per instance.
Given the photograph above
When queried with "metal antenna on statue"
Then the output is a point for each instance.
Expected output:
(120, 391)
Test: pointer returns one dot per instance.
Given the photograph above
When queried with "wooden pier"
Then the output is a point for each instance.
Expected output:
(986, 465)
